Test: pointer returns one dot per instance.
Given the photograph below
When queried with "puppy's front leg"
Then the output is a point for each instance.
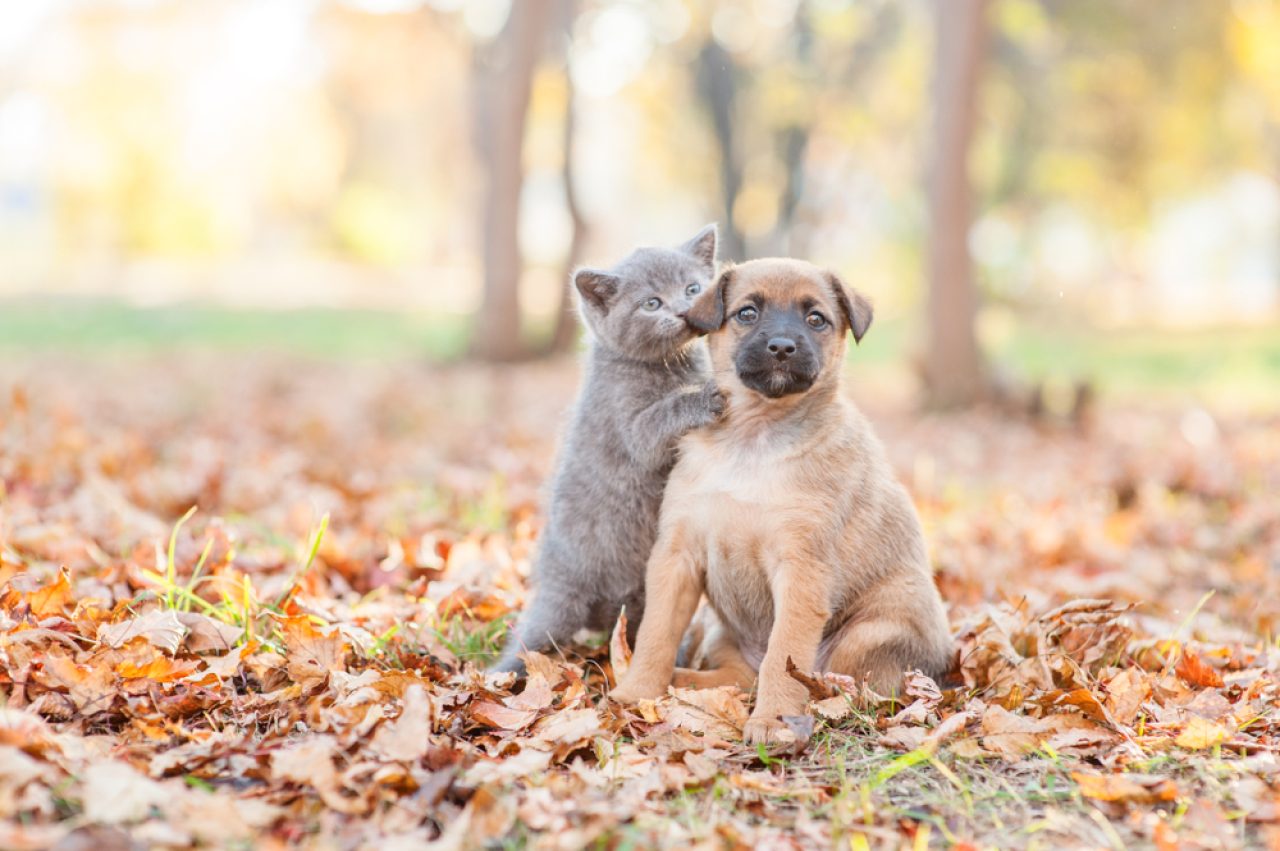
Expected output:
(673, 585)
(800, 612)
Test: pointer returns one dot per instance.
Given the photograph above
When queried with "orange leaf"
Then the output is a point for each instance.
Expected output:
(312, 654)
(1201, 733)
(1197, 672)
(619, 650)
(473, 605)
(1126, 788)
(502, 717)
(161, 669)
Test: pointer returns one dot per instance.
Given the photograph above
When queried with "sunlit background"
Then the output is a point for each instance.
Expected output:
(261, 155)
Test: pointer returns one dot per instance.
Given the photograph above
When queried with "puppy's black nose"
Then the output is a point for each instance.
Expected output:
(782, 347)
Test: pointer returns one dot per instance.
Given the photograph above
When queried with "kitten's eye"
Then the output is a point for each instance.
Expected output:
(652, 303)
(748, 314)
(693, 289)
(816, 320)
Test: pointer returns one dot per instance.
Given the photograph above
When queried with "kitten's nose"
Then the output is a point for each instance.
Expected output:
(782, 347)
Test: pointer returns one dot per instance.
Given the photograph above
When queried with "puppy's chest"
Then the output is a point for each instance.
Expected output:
(739, 511)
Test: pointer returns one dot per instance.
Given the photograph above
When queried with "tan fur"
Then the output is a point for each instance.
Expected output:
(787, 516)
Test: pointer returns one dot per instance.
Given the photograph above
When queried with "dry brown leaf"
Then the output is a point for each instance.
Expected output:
(408, 738)
(307, 761)
(92, 689)
(819, 688)
(952, 726)
(619, 650)
(544, 666)
(25, 730)
(535, 696)
(834, 708)
(160, 669)
(501, 716)
(115, 793)
(569, 727)
(1126, 692)
(1008, 734)
(312, 653)
(1198, 672)
(204, 634)
(53, 598)
(719, 712)
(159, 627)
(1126, 788)
(1201, 733)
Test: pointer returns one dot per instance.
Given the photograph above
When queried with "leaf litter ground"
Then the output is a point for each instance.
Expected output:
(299, 662)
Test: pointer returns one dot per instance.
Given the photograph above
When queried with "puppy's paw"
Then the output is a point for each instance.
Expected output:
(767, 731)
(634, 691)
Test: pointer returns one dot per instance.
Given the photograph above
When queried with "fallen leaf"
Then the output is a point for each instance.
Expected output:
(160, 669)
(1008, 734)
(115, 793)
(92, 689)
(160, 627)
(569, 727)
(312, 653)
(1126, 788)
(1197, 672)
(44, 601)
(619, 650)
(308, 761)
(501, 716)
(719, 712)
(204, 634)
(408, 738)
(1201, 733)
(535, 696)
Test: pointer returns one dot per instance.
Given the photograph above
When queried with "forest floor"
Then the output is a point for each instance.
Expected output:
(299, 662)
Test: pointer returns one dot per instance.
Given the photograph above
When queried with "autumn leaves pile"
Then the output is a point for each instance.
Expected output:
(342, 705)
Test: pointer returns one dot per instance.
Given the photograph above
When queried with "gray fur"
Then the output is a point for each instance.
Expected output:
(646, 383)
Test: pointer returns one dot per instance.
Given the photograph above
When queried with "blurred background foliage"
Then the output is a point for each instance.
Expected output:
(235, 171)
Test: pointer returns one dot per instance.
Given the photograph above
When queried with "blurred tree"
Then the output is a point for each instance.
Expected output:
(954, 370)
(503, 83)
(718, 83)
(565, 331)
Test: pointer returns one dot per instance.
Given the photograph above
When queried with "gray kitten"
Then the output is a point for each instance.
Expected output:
(646, 383)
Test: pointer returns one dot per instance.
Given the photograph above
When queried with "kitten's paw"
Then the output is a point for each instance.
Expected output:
(714, 400)
(767, 730)
(508, 665)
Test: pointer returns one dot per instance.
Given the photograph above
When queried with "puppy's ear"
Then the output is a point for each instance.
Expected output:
(596, 288)
(856, 309)
(707, 313)
(703, 246)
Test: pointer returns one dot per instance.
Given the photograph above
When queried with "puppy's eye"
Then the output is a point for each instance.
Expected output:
(693, 289)
(652, 304)
(816, 320)
(748, 314)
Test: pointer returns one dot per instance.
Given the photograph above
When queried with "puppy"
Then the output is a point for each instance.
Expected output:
(785, 514)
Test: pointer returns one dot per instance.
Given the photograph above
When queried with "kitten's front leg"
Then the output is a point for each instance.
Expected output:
(653, 432)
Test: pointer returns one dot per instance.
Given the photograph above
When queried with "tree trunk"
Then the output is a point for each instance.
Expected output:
(504, 82)
(566, 327)
(718, 87)
(954, 371)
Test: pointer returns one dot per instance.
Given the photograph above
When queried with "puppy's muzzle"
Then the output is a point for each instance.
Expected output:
(777, 365)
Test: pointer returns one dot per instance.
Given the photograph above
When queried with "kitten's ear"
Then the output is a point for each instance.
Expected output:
(707, 313)
(703, 246)
(856, 309)
(596, 288)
